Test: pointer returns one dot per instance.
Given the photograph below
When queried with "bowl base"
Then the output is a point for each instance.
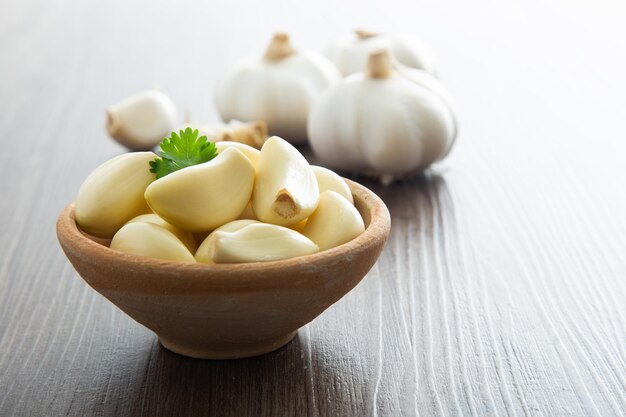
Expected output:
(234, 351)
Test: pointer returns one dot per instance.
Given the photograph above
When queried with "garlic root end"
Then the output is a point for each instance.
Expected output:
(284, 204)
(112, 122)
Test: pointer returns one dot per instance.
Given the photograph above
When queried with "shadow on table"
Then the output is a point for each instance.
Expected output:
(279, 383)
(425, 193)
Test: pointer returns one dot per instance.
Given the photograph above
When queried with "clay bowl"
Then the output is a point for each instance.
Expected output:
(227, 311)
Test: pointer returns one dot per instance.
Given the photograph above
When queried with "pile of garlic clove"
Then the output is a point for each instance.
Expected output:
(244, 205)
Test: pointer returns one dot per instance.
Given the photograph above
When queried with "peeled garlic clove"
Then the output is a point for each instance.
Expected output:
(236, 225)
(185, 237)
(256, 243)
(248, 133)
(147, 239)
(113, 194)
(285, 191)
(142, 121)
(327, 180)
(202, 254)
(202, 197)
(228, 227)
(334, 223)
(250, 153)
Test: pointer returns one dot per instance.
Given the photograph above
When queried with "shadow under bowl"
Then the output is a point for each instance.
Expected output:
(227, 311)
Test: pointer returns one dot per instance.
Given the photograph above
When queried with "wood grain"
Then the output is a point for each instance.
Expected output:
(500, 293)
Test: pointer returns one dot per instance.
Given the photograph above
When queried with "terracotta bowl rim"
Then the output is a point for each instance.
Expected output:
(378, 229)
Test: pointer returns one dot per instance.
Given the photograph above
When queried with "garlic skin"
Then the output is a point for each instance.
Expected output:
(147, 239)
(350, 52)
(202, 197)
(328, 180)
(259, 242)
(383, 122)
(249, 91)
(202, 254)
(431, 83)
(185, 237)
(142, 121)
(334, 223)
(253, 134)
(113, 194)
(285, 190)
(251, 153)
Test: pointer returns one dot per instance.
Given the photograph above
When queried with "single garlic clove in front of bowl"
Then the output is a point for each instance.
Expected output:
(202, 197)
(202, 254)
(285, 191)
(113, 194)
(140, 122)
(148, 239)
(327, 180)
(185, 237)
(334, 223)
(258, 242)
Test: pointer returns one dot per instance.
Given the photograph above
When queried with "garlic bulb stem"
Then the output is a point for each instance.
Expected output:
(379, 65)
(280, 48)
(365, 34)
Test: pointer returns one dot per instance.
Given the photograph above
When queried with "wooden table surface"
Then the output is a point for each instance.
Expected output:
(501, 291)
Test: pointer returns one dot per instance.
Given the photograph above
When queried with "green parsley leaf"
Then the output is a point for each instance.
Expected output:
(182, 150)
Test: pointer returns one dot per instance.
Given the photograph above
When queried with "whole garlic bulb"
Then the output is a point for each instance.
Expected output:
(279, 88)
(142, 121)
(383, 122)
(349, 53)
